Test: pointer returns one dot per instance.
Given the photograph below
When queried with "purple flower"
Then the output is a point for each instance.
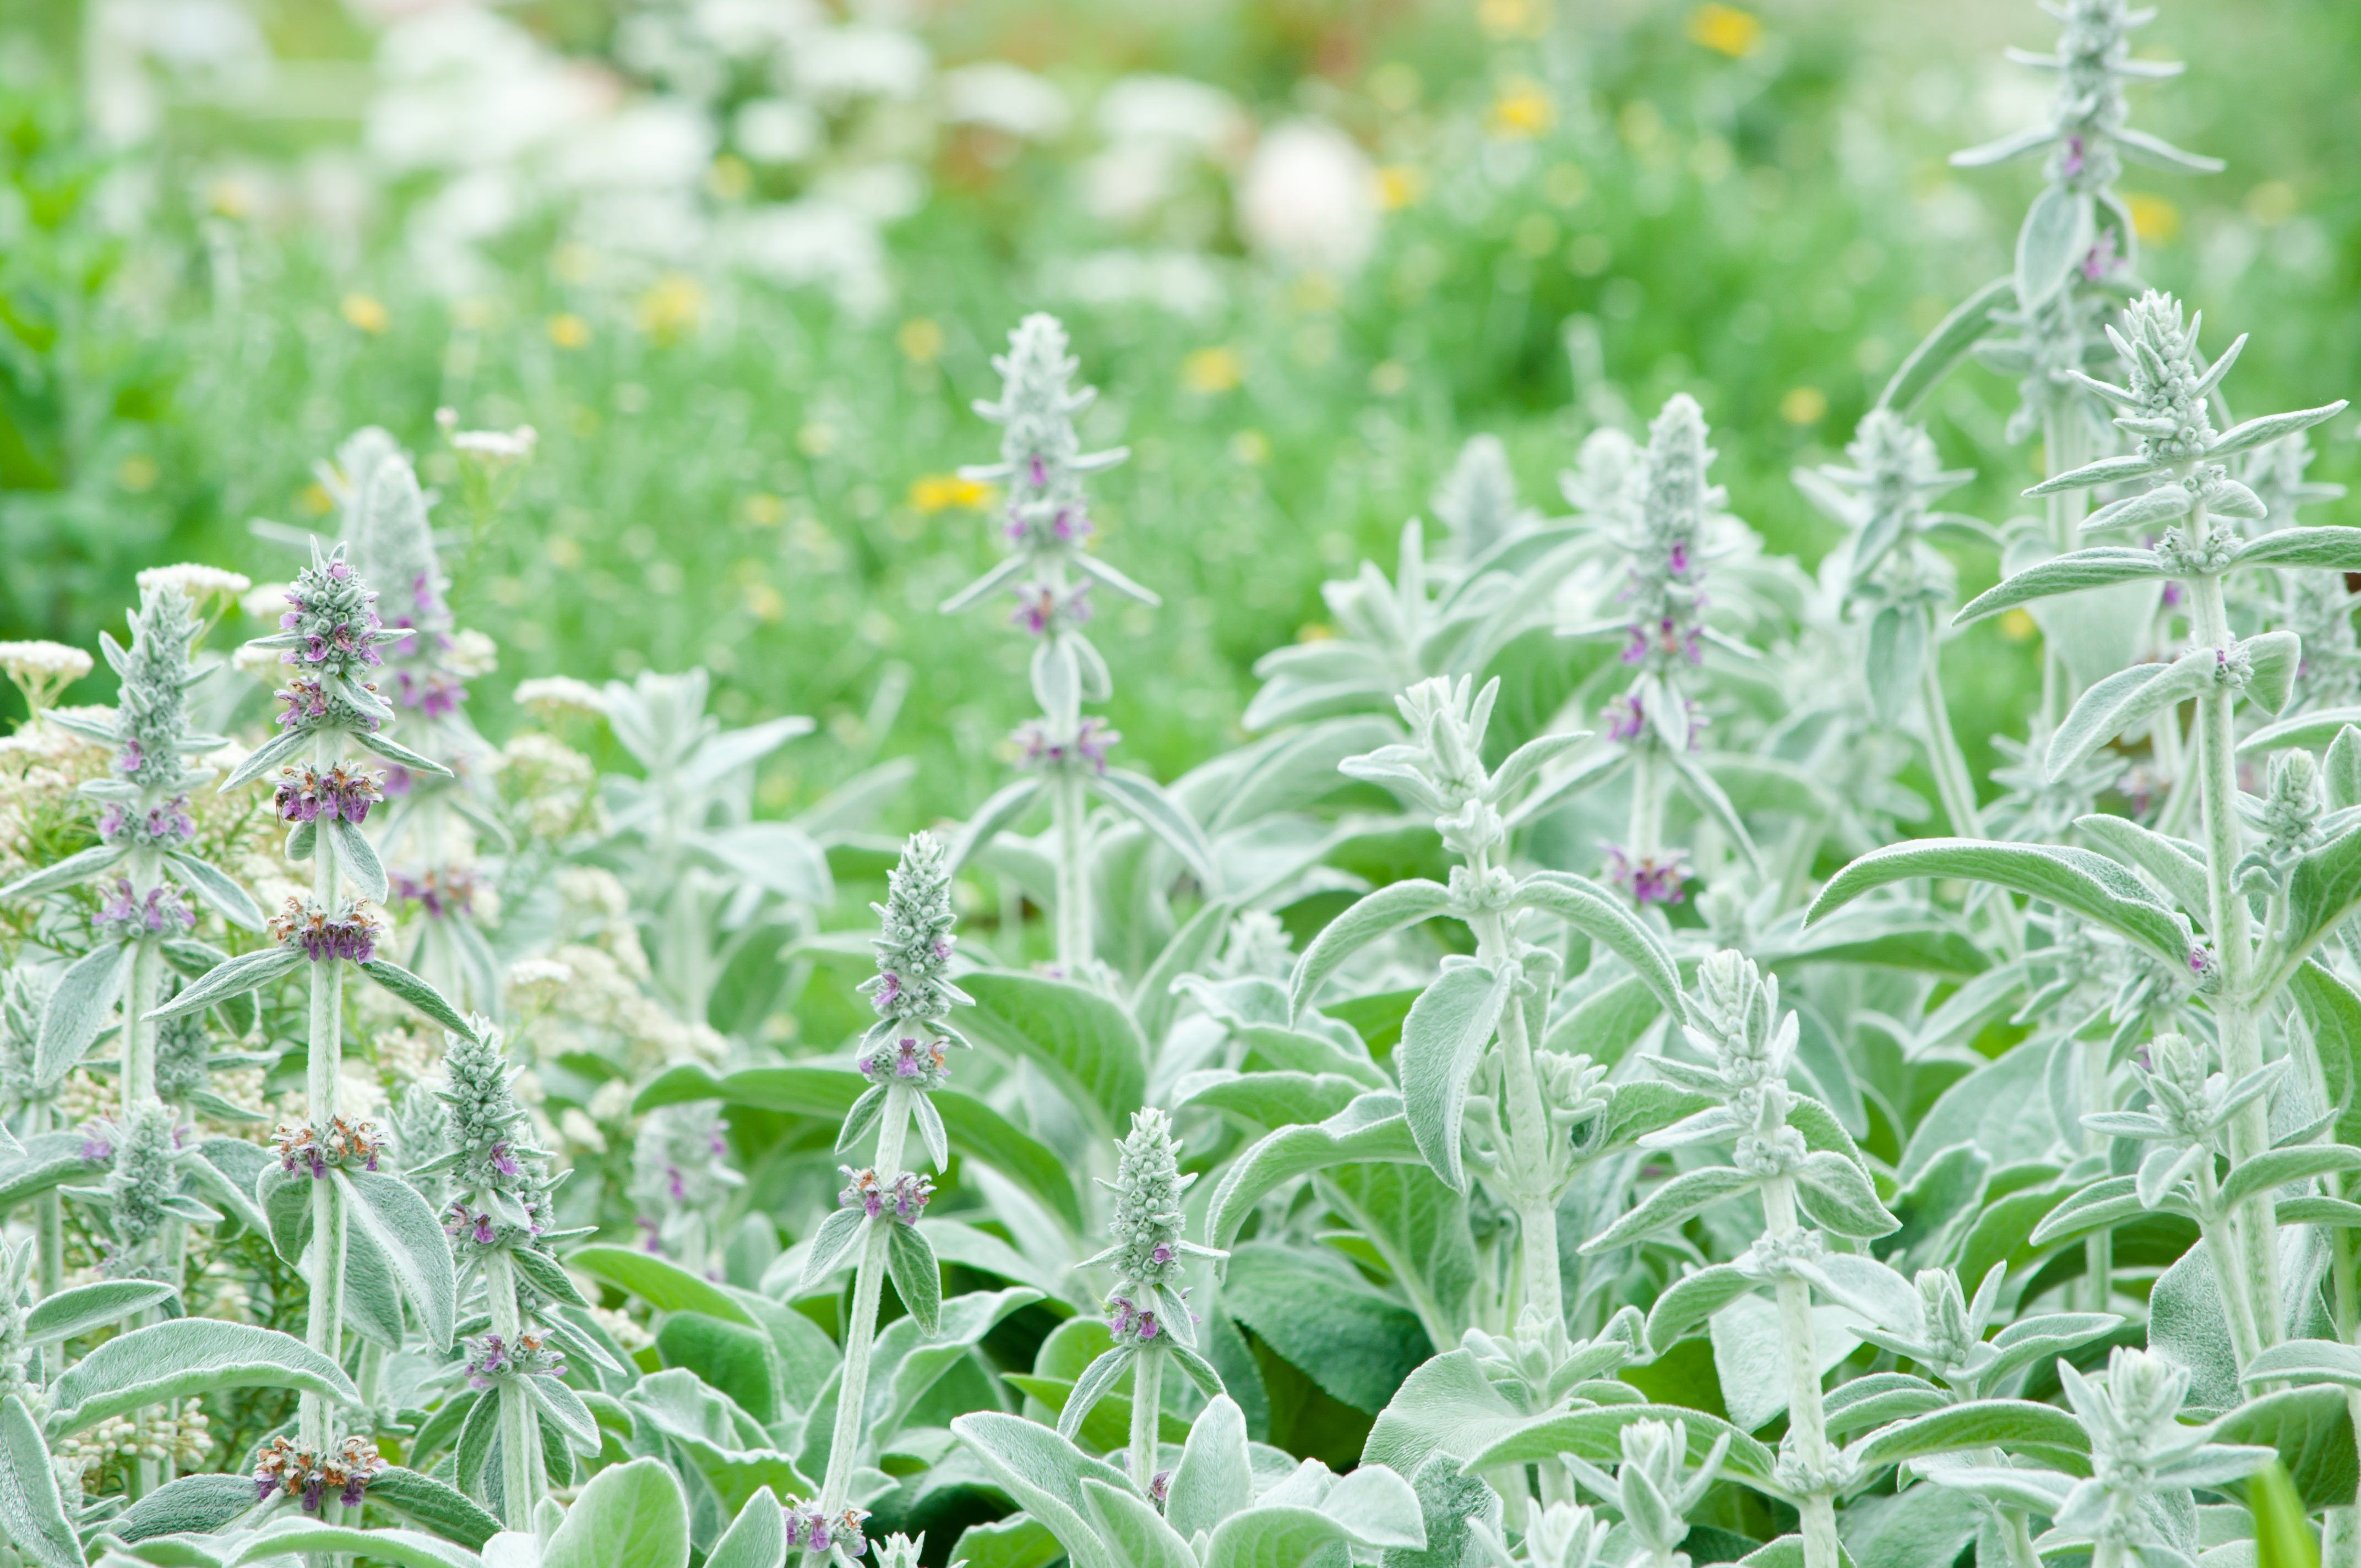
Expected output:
(1626, 715)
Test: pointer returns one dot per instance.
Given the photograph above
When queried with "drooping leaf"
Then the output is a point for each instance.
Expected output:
(631, 1516)
(1443, 1039)
(410, 1235)
(32, 1513)
(183, 1357)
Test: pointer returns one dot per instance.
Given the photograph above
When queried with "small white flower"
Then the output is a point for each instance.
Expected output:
(549, 696)
(1006, 98)
(1309, 198)
(199, 581)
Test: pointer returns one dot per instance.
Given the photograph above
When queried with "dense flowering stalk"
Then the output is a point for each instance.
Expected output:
(877, 1213)
(1051, 572)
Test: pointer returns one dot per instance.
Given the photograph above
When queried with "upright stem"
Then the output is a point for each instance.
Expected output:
(861, 1329)
(2253, 1265)
(1147, 1415)
(1953, 782)
(1533, 1169)
(1806, 1419)
(2066, 445)
(324, 1325)
(1071, 806)
(2221, 1245)
(2099, 1247)
(1647, 830)
(49, 1237)
(522, 1480)
(138, 1029)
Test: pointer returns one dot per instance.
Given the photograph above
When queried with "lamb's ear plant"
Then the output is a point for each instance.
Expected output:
(325, 1188)
(875, 1225)
(1051, 571)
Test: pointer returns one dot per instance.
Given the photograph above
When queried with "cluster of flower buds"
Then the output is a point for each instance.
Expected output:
(350, 933)
(1665, 590)
(347, 1469)
(905, 1197)
(124, 913)
(167, 824)
(1045, 609)
(816, 1531)
(342, 1141)
(307, 704)
(330, 623)
(491, 1358)
(1658, 878)
(306, 795)
(1040, 744)
(914, 946)
(439, 893)
(910, 1060)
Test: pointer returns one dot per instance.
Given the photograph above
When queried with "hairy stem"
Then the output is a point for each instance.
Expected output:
(2253, 1264)
(1071, 806)
(860, 1328)
(323, 1324)
(1953, 782)
(2099, 1247)
(522, 1477)
(1806, 1419)
(1147, 1414)
(1533, 1175)
(1647, 828)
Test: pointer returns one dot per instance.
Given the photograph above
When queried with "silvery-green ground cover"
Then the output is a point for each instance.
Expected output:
(1269, 786)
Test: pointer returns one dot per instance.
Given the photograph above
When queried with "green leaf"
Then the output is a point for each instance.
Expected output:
(1443, 1039)
(1673, 1204)
(2331, 1010)
(32, 1513)
(2057, 234)
(1145, 801)
(2312, 1431)
(406, 1230)
(1448, 1407)
(402, 1548)
(193, 1505)
(1599, 915)
(1271, 1099)
(423, 1500)
(1082, 1041)
(2276, 1167)
(664, 1286)
(1132, 1528)
(918, 1278)
(234, 978)
(183, 1357)
(1019, 1540)
(1216, 1476)
(631, 1516)
(359, 856)
(408, 988)
(1693, 1299)
(1595, 1435)
(1836, 1193)
(1006, 806)
(1192, 948)
(757, 1539)
(215, 886)
(1319, 1314)
(2175, 865)
(2261, 432)
(77, 1008)
(732, 1357)
(377, 741)
(1381, 914)
(2283, 1536)
(1373, 1127)
(2089, 884)
(2124, 700)
(75, 1311)
(2100, 1206)
(1280, 1536)
(2100, 566)
(1946, 346)
(1977, 1424)
(74, 868)
(1043, 1475)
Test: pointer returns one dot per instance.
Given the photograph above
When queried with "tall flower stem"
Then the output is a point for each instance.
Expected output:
(2253, 1264)
(1070, 804)
(1147, 1415)
(521, 1478)
(1806, 1419)
(1648, 786)
(323, 1324)
(1953, 784)
(2098, 1248)
(1533, 1175)
(860, 1328)
(2065, 442)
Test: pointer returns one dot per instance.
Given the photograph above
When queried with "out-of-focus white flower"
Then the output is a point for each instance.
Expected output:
(471, 654)
(1005, 97)
(1170, 109)
(491, 447)
(41, 670)
(463, 88)
(552, 695)
(811, 242)
(199, 581)
(664, 226)
(1181, 281)
(776, 130)
(882, 192)
(654, 144)
(754, 26)
(1309, 198)
(132, 48)
(839, 64)
(264, 601)
(1127, 183)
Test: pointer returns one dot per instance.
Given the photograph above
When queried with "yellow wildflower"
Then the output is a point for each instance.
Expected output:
(365, 312)
(1726, 29)
(1211, 370)
(941, 492)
